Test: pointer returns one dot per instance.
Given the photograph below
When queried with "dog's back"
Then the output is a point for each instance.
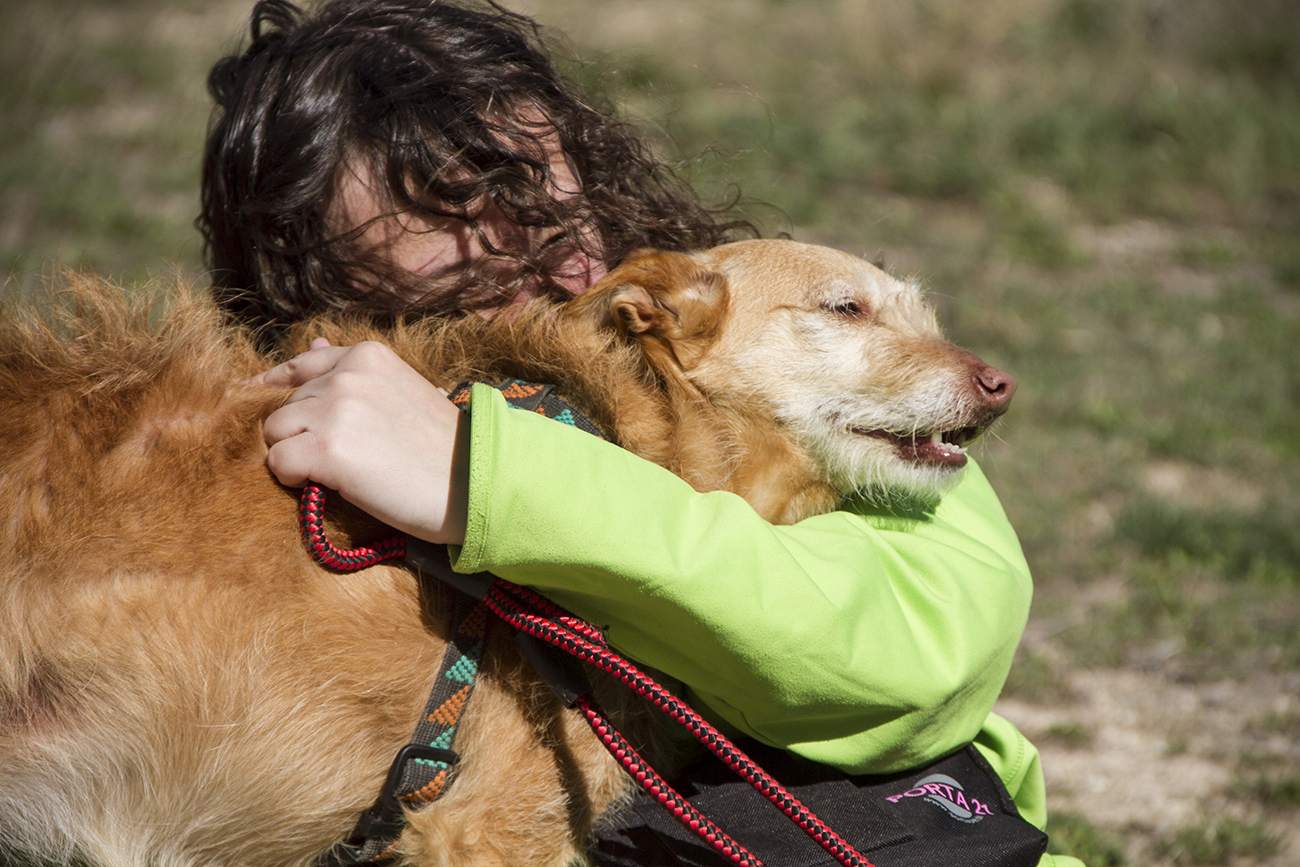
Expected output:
(177, 678)
(180, 683)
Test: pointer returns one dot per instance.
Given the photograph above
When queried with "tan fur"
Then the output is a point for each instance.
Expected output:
(180, 684)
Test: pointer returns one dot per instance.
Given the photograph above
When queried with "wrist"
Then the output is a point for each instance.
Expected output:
(453, 525)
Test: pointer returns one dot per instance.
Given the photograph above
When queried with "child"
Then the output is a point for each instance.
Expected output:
(402, 157)
(448, 116)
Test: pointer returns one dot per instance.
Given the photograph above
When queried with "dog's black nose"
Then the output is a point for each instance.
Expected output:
(997, 386)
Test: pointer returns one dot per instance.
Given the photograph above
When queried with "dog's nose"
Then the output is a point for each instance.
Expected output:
(997, 386)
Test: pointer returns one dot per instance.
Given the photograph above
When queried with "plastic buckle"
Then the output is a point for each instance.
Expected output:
(388, 805)
(384, 818)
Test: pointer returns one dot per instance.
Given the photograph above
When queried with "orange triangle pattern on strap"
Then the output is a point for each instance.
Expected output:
(448, 713)
(519, 389)
(430, 791)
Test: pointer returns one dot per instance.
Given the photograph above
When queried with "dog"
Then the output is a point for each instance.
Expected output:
(181, 683)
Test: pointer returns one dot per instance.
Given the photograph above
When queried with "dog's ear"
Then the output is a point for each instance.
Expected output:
(668, 303)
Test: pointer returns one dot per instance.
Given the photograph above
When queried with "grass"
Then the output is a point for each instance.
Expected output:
(102, 125)
(1067, 734)
(1199, 627)
(1259, 545)
(1103, 196)
(1069, 834)
(1277, 791)
(1219, 843)
(1279, 722)
(940, 100)
(1037, 679)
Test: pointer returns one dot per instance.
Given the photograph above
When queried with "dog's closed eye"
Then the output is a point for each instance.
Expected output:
(848, 308)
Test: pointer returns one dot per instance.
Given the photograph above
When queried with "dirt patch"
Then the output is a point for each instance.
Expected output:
(1140, 753)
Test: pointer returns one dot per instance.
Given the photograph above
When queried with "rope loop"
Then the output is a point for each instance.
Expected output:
(311, 520)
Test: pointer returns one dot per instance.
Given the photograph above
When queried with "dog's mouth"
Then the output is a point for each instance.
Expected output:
(945, 449)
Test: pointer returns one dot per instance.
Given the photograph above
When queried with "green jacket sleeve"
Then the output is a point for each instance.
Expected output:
(860, 640)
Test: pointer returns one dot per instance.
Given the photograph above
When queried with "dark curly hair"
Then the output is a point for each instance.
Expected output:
(448, 106)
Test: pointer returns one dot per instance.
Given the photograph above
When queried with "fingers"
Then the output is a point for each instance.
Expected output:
(290, 420)
(364, 423)
(350, 407)
(316, 361)
(294, 460)
(294, 453)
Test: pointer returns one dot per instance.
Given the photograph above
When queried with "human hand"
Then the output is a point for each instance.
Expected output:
(362, 422)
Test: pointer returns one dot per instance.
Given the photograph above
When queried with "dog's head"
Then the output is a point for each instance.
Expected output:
(845, 359)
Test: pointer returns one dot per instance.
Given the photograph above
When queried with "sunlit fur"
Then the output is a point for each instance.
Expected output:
(180, 684)
(823, 374)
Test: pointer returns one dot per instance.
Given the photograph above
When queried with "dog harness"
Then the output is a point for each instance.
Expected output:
(554, 641)
(423, 769)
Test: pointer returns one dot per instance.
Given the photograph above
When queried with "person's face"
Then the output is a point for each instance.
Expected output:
(432, 247)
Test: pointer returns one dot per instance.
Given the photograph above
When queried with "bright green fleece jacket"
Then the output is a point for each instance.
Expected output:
(858, 638)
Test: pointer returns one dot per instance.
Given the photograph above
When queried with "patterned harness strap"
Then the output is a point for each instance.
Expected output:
(424, 768)
(534, 397)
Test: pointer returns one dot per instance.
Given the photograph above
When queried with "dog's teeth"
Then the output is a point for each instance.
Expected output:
(936, 440)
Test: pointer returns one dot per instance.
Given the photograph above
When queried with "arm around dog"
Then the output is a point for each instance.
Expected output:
(856, 640)
(861, 640)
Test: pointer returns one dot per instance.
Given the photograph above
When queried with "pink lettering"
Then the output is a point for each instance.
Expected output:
(910, 793)
(980, 809)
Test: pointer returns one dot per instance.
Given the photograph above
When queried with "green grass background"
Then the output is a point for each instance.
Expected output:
(1102, 195)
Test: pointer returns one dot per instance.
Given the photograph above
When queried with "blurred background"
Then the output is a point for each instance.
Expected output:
(1103, 197)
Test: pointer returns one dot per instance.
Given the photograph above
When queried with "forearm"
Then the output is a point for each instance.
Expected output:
(861, 641)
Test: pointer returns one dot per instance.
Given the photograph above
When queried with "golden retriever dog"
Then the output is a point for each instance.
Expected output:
(181, 684)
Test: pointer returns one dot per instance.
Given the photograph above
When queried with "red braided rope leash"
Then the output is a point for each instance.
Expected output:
(537, 616)
(580, 639)
(311, 520)
(639, 769)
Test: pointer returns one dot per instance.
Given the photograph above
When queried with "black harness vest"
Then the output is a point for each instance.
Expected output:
(953, 812)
